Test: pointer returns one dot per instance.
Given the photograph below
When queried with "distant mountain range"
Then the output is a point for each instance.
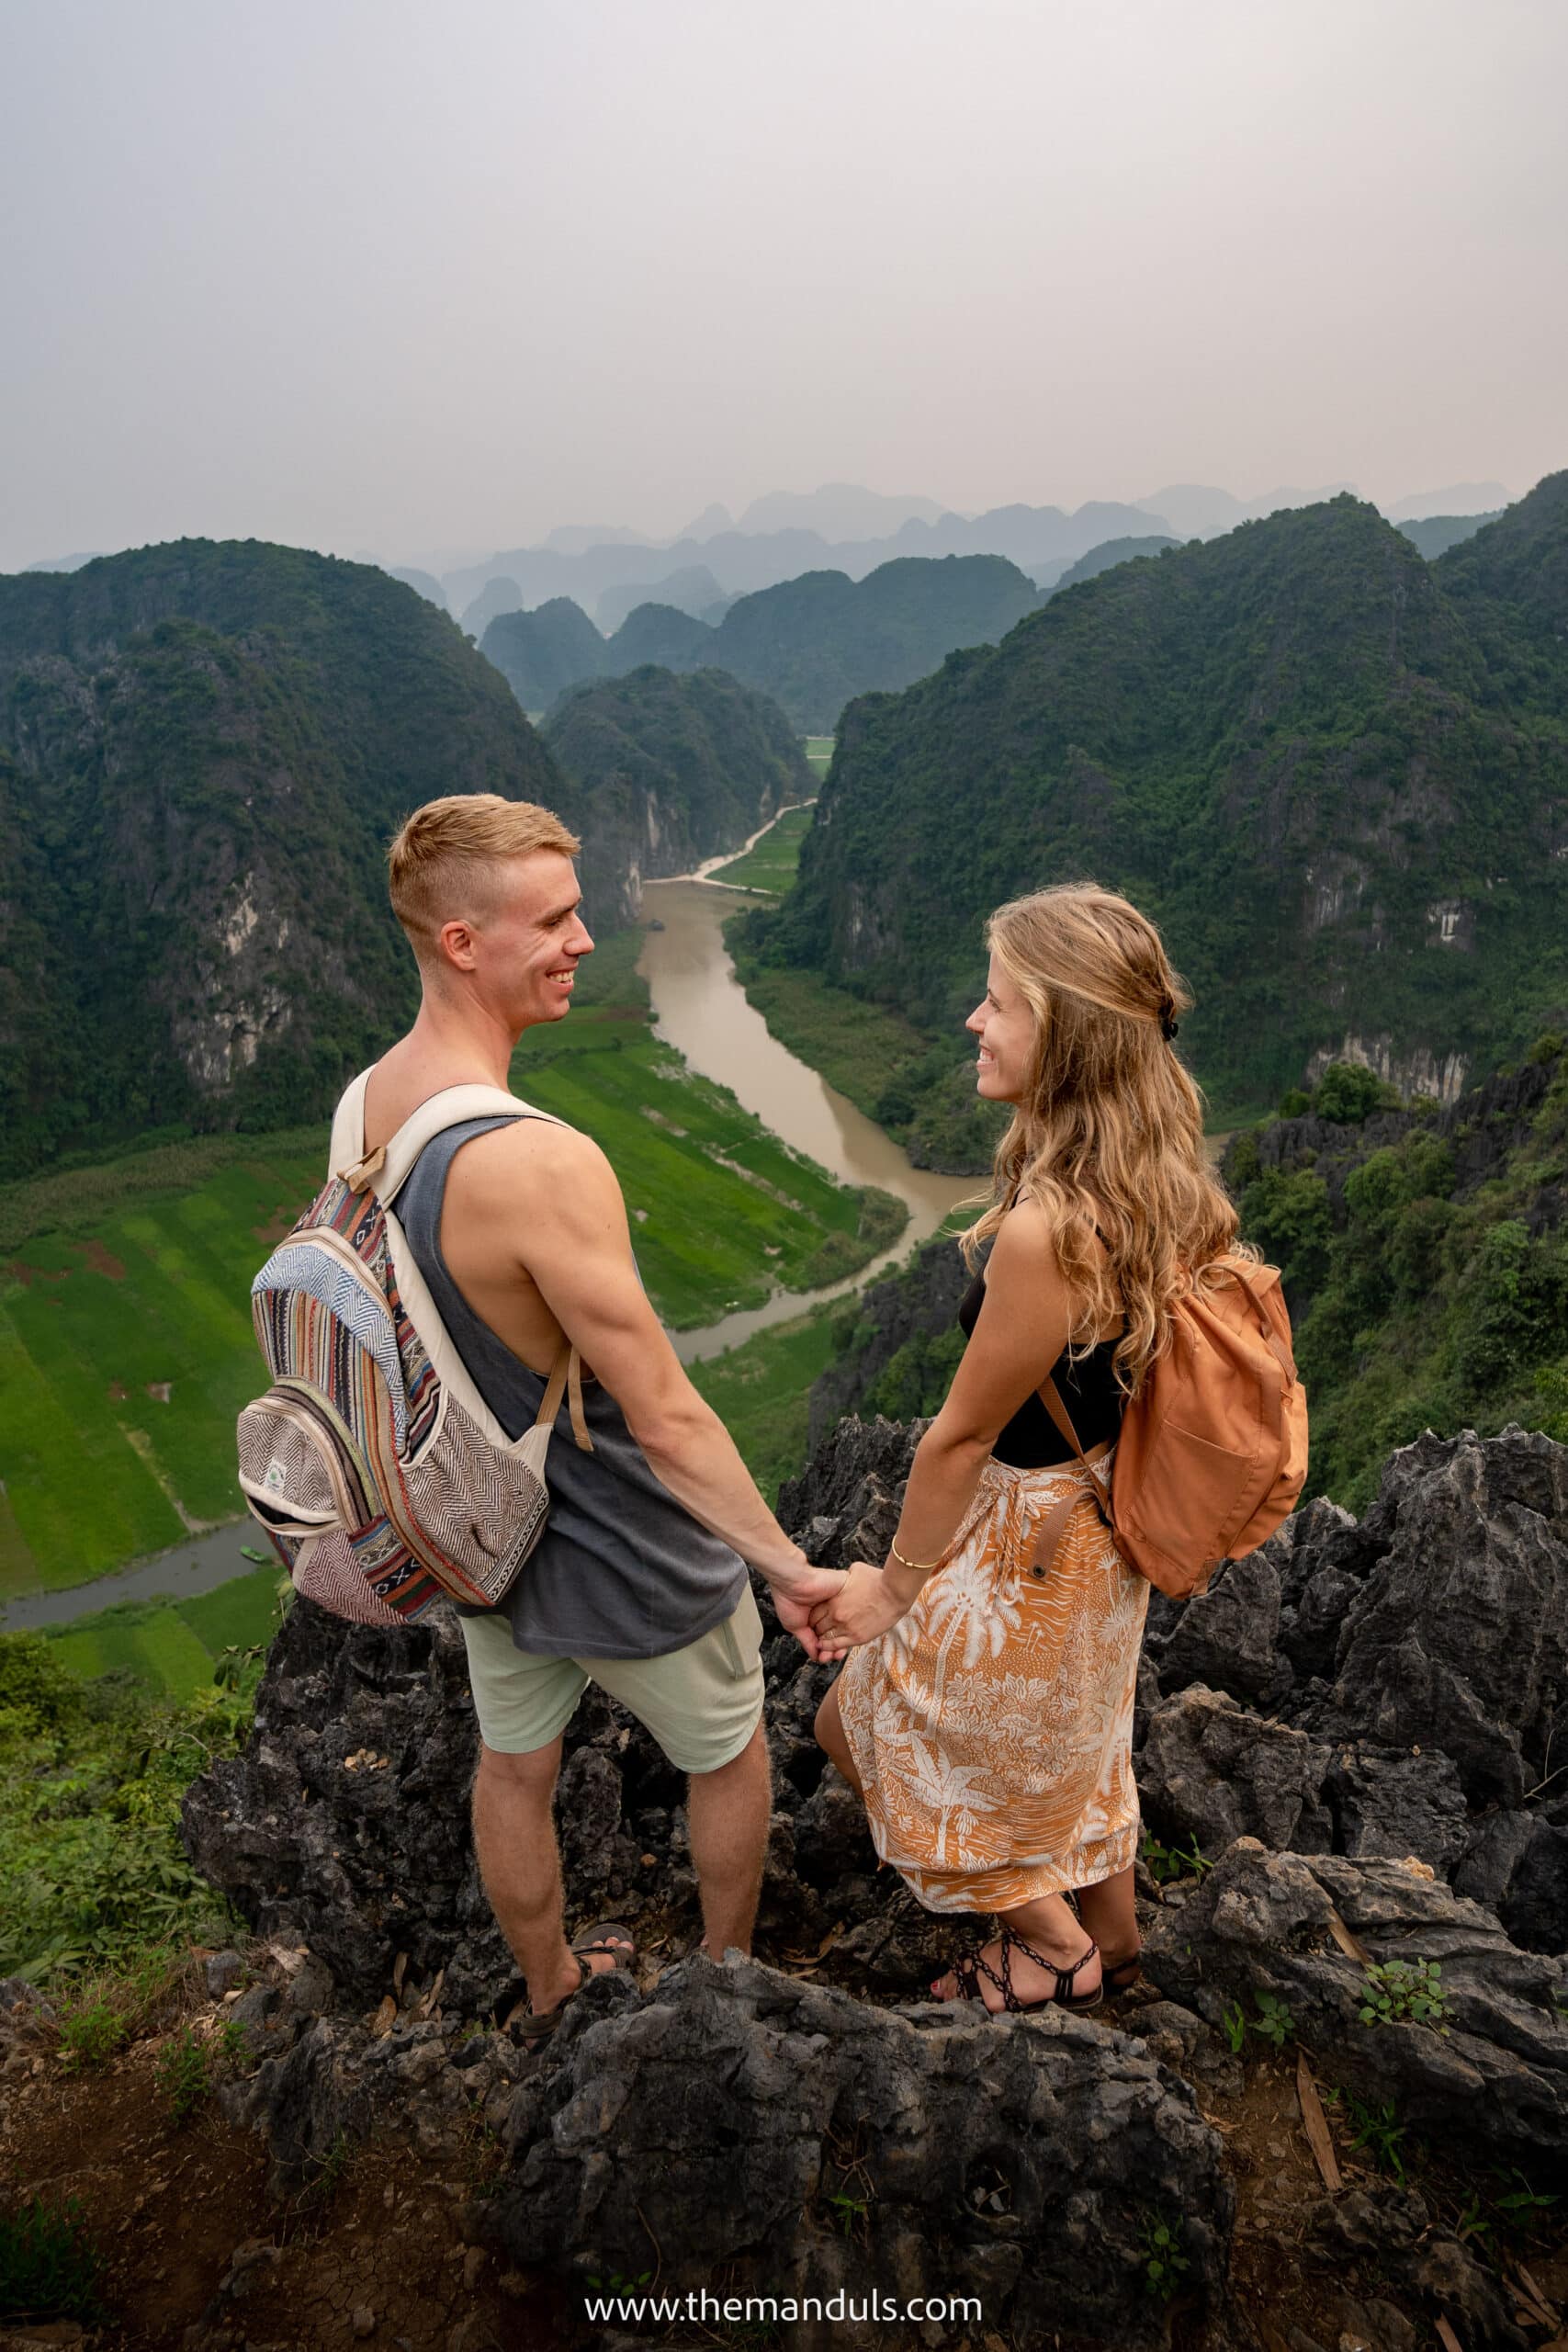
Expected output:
(843, 528)
(813, 642)
(1333, 771)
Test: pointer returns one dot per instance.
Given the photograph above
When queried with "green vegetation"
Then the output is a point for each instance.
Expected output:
(1426, 1263)
(126, 1351)
(212, 743)
(173, 1647)
(91, 1778)
(1164, 2262)
(819, 754)
(541, 654)
(1375, 2131)
(48, 2262)
(772, 864)
(1328, 769)
(1166, 1863)
(126, 1346)
(682, 765)
(184, 2072)
(761, 1391)
(1398, 1989)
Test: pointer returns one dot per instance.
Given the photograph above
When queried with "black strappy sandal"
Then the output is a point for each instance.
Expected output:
(1123, 1976)
(969, 1967)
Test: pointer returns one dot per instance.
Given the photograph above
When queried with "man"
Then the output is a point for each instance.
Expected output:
(640, 1581)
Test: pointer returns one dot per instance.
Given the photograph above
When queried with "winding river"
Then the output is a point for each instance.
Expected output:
(700, 1008)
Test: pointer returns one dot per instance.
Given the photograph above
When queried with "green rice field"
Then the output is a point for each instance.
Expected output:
(820, 752)
(760, 1390)
(174, 1646)
(772, 866)
(126, 1347)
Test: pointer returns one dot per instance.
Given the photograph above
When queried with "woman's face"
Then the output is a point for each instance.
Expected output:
(1004, 1026)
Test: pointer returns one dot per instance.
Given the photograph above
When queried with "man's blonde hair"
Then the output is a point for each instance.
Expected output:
(443, 862)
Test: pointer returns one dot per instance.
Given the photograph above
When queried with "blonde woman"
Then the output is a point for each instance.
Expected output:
(985, 1712)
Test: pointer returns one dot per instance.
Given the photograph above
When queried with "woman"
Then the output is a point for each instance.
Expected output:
(985, 1714)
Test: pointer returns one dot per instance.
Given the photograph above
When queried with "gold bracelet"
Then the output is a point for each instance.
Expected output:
(913, 1566)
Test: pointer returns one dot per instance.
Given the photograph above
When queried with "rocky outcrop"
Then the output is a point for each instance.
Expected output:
(719, 2112)
(1290, 1925)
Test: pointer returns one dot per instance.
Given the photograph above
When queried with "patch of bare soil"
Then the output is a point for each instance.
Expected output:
(100, 1260)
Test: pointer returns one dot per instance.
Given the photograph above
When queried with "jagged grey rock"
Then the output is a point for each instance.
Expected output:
(712, 2123)
(1263, 1921)
(1210, 1770)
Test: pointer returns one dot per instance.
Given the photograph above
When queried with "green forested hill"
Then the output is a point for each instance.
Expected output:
(541, 654)
(1336, 775)
(1425, 1259)
(671, 769)
(204, 749)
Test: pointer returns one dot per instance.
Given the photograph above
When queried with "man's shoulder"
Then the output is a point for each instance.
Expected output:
(538, 1140)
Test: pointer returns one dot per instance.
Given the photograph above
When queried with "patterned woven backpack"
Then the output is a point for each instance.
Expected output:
(373, 1463)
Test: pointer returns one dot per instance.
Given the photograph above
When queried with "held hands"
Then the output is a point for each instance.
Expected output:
(809, 1590)
(867, 1606)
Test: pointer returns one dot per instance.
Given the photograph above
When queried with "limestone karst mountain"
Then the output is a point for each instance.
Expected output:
(1332, 772)
(204, 748)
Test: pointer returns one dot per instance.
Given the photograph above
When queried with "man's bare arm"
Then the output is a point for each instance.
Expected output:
(566, 1221)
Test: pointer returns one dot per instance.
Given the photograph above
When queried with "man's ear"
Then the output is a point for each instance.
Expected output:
(457, 943)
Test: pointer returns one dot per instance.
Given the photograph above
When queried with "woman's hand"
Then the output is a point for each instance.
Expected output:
(796, 1603)
(865, 1607)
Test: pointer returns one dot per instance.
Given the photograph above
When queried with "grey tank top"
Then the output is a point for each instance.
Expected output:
(622, 1570)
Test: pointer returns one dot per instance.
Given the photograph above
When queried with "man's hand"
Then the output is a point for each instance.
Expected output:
(866, 1607)
(810, 1589)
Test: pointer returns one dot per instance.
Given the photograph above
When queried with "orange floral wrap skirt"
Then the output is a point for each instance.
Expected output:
(992, 1729)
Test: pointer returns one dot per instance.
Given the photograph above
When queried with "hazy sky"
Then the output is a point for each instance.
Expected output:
(418, 277)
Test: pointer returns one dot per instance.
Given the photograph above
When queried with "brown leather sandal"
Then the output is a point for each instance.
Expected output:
(969, 1967)
(538, 2026)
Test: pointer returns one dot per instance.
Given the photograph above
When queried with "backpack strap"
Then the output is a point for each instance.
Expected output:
(1048, 1534)
(391, 1164)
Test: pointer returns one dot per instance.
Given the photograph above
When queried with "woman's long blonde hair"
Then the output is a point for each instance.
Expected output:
(1109, 1138)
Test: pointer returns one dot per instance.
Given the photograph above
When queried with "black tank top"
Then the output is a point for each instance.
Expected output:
(1088, 1388)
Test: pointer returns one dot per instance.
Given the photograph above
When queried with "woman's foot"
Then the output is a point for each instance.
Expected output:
(1033, 1973)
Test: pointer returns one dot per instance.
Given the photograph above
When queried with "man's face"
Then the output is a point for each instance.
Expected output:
(523, 953)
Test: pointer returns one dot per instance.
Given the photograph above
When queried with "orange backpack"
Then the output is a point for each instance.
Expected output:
(1213, 1451)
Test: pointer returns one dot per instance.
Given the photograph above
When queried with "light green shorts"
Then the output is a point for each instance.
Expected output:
(701, 1703)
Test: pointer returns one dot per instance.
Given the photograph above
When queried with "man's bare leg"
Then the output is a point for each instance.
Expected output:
(514, 1840)
(727, 1814)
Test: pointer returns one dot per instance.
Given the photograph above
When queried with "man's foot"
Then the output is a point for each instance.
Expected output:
(595, 1952)
(1031, 1976)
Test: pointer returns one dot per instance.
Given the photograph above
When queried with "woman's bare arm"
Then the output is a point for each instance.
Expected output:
(1023, 1328)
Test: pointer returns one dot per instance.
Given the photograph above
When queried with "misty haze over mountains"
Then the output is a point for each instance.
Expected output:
(844, 527)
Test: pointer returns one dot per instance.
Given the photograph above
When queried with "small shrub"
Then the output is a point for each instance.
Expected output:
(47, 2263)
(1295, 1103)
(1164, 1864)
(1164, 2261)
(90, 2034)
(1375, 2130)
(1546, 1047)
(1235, 2020)
(1275, 2021)
(183, 2073)
(1399, 1990)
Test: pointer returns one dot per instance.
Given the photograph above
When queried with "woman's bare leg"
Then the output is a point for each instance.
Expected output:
(1108, 1912)
(1048, 1926)
(830, 1730)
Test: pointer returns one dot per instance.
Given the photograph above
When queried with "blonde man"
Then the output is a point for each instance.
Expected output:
(639, 1582)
